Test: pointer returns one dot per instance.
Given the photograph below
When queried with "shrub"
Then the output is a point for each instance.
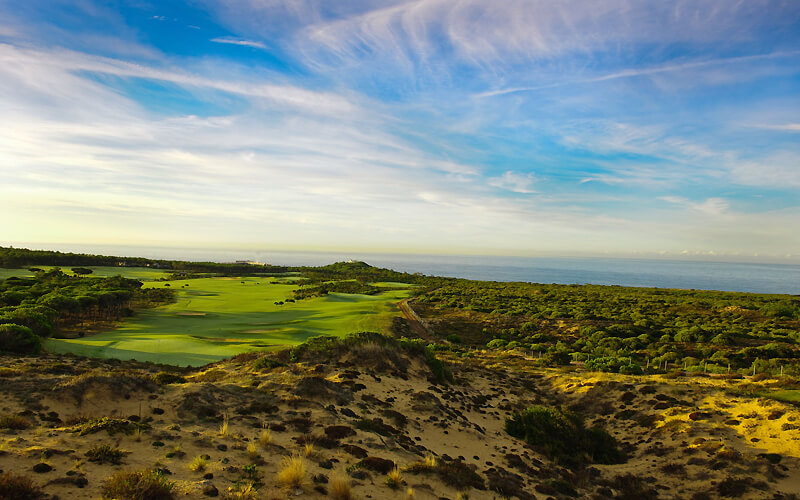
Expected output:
(14, 487)
(496, 344)
(613, 364)
(164, 378)
(15, 422)
(138, 485)
(105, 454)
(110, 425)
(19, 339)
(561, 435)
(325, 347)
(265, 363)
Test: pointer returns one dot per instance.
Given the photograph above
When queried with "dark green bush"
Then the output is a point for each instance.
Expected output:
(266, 363)
(19, 339)
(561, 435)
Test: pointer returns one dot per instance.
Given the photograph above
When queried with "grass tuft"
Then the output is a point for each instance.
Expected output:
(198, 463)
(252, 451)
(224, 429)
(293, 471)
(138, 485)
(394, 479)
(265, 439)
(340, 488)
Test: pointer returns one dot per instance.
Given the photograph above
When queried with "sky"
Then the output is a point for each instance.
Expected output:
(515, 127)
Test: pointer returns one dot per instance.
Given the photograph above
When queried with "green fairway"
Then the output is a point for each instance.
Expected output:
(788, 395)
(215, 318)
(139, 273)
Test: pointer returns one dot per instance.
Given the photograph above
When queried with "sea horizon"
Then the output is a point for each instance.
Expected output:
(751, 277)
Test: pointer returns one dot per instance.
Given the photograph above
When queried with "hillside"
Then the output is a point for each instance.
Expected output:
(350, 410)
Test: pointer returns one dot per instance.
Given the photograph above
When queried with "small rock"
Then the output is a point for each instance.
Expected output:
(42, 467)
(210, 490)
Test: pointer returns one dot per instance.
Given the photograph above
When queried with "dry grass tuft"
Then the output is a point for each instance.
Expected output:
(252, 451)
(293, 471)
(224, 430)
(340, 488)
(309, 449)
(136, 485)
(243, 492)
(265, 439)
(198, 463)
(394, 479)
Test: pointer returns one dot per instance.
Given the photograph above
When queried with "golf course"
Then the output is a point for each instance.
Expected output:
(139, 273)
(216, 318)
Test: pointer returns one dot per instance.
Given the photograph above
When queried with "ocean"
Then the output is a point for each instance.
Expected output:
(740, 277)
(687, 274)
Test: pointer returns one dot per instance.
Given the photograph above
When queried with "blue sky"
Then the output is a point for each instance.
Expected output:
(523, 127)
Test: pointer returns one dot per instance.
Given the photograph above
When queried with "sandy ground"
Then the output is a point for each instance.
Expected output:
(686, 438)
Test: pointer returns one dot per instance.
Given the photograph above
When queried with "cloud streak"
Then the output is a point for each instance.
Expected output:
(620, 126)
(240, 42)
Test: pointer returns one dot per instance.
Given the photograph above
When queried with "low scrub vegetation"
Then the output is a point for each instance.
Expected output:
(561, 435)
(16, 487)
(14, 422)
(622, 329)
(105, 454)
(380, 348)
(108, 424)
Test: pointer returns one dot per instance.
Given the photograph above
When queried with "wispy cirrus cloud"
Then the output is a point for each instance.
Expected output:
(514, 181)
(710, 206)
(651, 71)
(238, 41)
(524, 126)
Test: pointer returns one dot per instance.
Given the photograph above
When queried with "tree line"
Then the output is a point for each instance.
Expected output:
(32, 308)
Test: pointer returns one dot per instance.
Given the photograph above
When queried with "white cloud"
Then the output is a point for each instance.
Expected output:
(710, 206)
(651, 71)
(239, 41)
(69, 61)
(514, 181)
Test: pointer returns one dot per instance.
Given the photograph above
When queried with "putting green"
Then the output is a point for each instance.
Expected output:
(215, 318)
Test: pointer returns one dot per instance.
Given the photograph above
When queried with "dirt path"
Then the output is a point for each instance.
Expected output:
(414, 320)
